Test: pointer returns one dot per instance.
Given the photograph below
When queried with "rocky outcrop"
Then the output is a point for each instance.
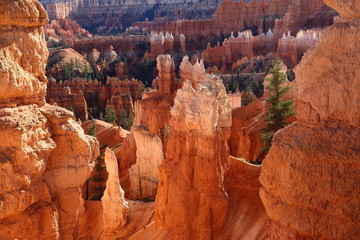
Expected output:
(105, 17)
(161, 44)
(153, 111)
(152, 115)
(247, 122)
(291, 49)
(46, 157)
(310, 176)
(149, 155)
(121, 45)
(63, 60)
(106, 133)
(195, 73)
(21, 87)
(245, 45)
(247, 218)
(115, 207)
(234, 48)
(58, 10)
(235, 99)
(71, 101)
(64, 32)
(191, 201)
(346, 8)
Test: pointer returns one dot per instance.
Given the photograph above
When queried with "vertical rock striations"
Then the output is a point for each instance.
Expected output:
(152, 115)
(191, 201)
(311, 175)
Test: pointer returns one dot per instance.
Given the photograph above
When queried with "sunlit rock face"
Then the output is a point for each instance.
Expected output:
(115, 208)
(311, 174)
(45, 155)
(23, 53)
(191, 201)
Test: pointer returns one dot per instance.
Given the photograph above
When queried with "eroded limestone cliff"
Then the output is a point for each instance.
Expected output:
(311, 175)
(45, 155)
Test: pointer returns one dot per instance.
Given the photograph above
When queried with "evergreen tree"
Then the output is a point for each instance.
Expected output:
(68, 71)
(279, 110)
(92, 129)
(124, 121)
(72, 110)
(99, 177)
(110, 115)
(86, 73)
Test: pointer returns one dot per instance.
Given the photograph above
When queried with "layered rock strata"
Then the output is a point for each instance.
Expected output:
(119, 94)
(45, 155)
(310, 176)
(280, 15)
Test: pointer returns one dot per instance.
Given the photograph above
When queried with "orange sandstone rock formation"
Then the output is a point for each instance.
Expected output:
(22, 75)
(245, 140)
(65, 30)
(46, 157)
(149, 155)
(115, 207)
(191, 201)
(310, 176)
(152, 115)
(119, 94)
(282, 15)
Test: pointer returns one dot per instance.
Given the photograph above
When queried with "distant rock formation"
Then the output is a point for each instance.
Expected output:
(234, 48)
(106, 17)
(64, 32)
(119, 94)
(260, 16)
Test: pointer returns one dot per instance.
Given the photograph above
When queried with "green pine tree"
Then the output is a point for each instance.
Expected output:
(92, 129)
(124, 121)
(68, 71)
(99, 178)
(72, 110)
(110, 115)
(279, 110)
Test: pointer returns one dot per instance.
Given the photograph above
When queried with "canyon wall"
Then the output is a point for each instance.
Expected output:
(122, 45)
(45, 155)
(310, 176)
(104, 17)
(280, 15)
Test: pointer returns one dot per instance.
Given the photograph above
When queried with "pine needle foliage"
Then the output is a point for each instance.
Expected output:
(110, 115)
(279, 110)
